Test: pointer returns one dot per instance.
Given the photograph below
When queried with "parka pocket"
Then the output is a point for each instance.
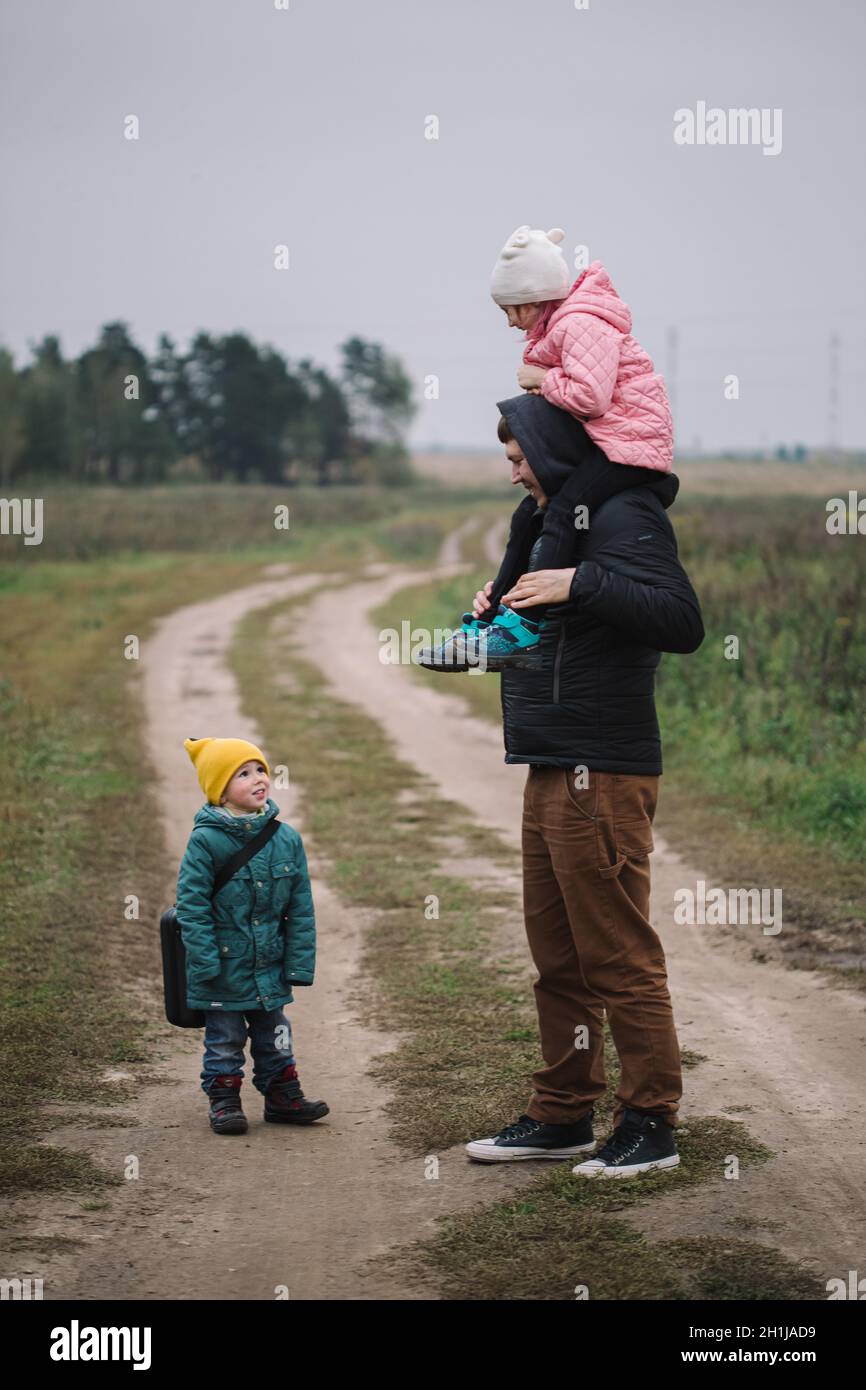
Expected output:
(232, 945)
(282, 875)
(272, 949)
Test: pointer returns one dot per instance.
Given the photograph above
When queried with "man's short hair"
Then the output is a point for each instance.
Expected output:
(503, 432)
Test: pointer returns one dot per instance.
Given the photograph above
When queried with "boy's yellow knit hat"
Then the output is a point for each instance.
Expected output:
(216, 760)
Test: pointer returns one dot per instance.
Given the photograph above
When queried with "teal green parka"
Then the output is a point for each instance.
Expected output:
(237, 956)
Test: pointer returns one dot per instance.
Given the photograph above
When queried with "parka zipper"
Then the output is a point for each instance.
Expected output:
(556, 664)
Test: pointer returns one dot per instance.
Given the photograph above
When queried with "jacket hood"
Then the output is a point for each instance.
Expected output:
(591, 293)
(216, 819)
(552, 440)
(665, 488)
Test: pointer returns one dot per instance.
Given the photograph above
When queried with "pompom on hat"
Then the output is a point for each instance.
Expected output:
(530, 268)
(216, 760)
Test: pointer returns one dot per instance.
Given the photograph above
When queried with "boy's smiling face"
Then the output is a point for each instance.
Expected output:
(248, 789)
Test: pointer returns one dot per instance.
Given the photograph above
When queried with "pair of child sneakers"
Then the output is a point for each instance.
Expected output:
(507, 641)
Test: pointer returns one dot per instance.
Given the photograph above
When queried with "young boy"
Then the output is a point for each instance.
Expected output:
(250, 943)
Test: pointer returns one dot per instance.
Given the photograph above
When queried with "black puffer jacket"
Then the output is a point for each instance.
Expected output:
(591, 701)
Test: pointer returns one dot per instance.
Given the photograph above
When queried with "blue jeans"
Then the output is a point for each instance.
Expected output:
(225, 1034)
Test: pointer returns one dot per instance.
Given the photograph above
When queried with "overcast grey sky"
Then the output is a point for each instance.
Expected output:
(306, 126)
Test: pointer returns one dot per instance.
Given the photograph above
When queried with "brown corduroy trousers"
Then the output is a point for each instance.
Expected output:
(586, 890)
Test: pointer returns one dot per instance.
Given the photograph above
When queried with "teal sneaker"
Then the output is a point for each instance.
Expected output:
(511, 641)
(459, 652)
(507, 642)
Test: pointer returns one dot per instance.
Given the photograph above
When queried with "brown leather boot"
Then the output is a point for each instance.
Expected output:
(226, 1113)
(285, 1103)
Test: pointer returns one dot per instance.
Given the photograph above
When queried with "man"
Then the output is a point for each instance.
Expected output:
(584, 720)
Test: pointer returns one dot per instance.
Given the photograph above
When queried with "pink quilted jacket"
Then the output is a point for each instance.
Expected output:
(599, 372)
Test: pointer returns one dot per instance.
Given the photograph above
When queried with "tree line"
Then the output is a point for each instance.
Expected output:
(225, 410)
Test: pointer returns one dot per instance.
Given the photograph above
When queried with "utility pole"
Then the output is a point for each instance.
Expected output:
(833, 404)
(672, 343)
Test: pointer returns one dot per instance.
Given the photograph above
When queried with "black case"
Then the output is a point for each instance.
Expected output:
(177, 1011)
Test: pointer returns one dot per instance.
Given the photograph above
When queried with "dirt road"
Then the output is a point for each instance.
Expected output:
(236, 1219)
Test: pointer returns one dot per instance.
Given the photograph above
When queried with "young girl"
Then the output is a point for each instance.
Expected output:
(251, 942)
(580, 356)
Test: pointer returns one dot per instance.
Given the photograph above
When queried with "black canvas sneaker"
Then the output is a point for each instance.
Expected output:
(529, 1138)
(639, 1144)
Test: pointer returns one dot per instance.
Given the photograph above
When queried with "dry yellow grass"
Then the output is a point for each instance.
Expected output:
(712, 477)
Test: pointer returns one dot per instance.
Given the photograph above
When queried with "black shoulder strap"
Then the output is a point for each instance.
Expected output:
(237, 861)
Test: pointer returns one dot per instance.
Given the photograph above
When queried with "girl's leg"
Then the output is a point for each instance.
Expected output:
(224, 1038)
(270, 1034)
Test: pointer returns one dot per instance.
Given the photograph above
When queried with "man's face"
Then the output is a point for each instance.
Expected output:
(522, 473)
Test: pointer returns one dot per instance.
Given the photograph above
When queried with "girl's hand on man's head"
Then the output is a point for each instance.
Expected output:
(531, 377)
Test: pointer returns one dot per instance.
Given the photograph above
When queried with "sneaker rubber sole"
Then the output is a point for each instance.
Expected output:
(492, 666)
(447, 667)
(480, 1152)
(593, 1168)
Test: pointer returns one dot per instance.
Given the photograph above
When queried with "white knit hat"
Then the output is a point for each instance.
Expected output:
(530, 268)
